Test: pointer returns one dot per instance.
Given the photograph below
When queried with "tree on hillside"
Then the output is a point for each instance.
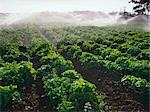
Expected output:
(142, 6)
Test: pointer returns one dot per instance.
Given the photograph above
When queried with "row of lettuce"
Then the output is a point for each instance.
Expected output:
(135, 72)
(120, 61)
(123, 50)
(131, 42)
(16, 70)
(66, 89)
(13, 78)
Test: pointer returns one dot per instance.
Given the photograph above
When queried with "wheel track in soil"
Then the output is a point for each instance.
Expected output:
(118, 97)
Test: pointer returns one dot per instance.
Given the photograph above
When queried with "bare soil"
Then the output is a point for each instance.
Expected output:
(33, 99)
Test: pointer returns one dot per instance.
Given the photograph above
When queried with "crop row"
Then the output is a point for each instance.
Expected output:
(90, 60)
(110, 59)
(16, 72)
(66, 88)
(13, 77)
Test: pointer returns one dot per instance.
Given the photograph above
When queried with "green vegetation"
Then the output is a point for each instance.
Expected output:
(64, 84)
(17, 74)
(136, 83)
(122, 51)
(49, 53)
(6, 94)
(65, 88)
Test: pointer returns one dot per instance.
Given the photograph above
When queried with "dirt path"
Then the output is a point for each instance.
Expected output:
(29, 100)
(44, 102)
(118, 97)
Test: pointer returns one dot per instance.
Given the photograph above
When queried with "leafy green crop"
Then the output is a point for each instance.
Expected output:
(89, 60)
(72, 74)
(17, 74)
(134, 81)
(117, 49)
(66, 106)
(11, 52)
(83, 92)
(57, 88)
(58, 63)
(6, 93)
(137, 84)
(41, 47)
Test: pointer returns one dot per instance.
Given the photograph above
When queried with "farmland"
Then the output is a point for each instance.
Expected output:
(67, 69)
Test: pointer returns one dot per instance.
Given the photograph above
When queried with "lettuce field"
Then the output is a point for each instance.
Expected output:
(74, 69)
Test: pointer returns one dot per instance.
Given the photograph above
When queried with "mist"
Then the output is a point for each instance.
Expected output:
(92, 18)
(69, 12)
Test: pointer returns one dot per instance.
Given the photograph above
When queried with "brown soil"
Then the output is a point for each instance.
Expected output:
(33, 99)
(29, 100)
(118, 97)
(44, 102)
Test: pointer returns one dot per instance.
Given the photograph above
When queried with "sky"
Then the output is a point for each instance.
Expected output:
(18, 6)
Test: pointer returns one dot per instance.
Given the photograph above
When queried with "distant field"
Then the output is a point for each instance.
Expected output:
(74, 68)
